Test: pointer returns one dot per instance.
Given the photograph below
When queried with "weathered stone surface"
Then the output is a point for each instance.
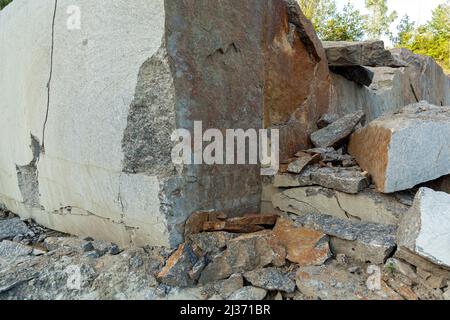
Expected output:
(244, 253)
(327, 119)
(397, 150)
(303, 246)
(249, 293)
(11, 250)
(364, 53)
(337, 131)
(333, 156)
(10, 228)
(333, 282)
(271, 279)
(367, 206)
(225, 288)
(425, 230)
(211, 243)
(103, 124)
(361, 241)
(299, 164)
(297, 83)
(348, 180)
(177, 268)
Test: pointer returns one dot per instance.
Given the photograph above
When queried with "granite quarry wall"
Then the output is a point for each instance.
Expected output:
(86, 114)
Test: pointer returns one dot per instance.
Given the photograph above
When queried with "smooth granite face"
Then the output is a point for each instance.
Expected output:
(425, 229)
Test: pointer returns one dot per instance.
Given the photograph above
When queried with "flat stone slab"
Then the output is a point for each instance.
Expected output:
(363, 53)
(361, 241)
(10, 228)
(348, 180)
(337, 131)
(405, 149)
(425, 230)
(367, 206)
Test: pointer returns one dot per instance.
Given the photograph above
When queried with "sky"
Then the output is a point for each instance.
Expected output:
(418, 10)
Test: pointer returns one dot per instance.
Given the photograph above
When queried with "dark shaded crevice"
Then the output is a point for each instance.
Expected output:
(50, 76)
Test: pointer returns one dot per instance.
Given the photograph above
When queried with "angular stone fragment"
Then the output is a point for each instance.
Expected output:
(271, 279)
(224, 288)
(365, 53)
(194, 224)
(11, 250)
(211, 243)
(405, 149)
(425, 230)
(331, 155)
(326, 120)
(10, 228)
(248, 293)
(337, 131)
(367, 206)
(244, 253)
(361, 241)
(177, 268)
(303, 246)
(298, 165)
(348, 180)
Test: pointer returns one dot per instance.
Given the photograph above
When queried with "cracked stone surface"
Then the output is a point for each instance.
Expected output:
(366, 206)
(104, 170)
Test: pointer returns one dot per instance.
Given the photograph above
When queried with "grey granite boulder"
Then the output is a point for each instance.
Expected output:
(405, 149)
(425, 230)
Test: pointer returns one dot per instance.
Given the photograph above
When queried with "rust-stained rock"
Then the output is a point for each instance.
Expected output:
(247, 224)
(178, 266)
(405, 149)
(303, 246)
(194, 224)
(297, 85)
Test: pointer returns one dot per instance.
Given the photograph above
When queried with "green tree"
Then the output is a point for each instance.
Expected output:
(379, 19)
(347, 25)
(331, 24)
(431, 39)
(405, 32)
(4, 3)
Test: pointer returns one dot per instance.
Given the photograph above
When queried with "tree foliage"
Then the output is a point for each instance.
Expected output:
(431, 39)
(331, 24)
(4, 3)
(379, 19)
